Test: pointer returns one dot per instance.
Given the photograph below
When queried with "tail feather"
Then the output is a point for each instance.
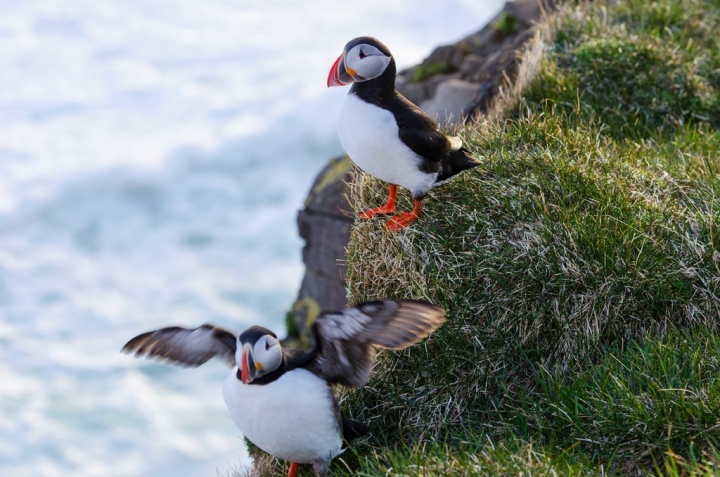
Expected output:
(353, 430)
(456, 162)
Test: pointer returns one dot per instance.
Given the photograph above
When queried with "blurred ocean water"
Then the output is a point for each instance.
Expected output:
(153, 156)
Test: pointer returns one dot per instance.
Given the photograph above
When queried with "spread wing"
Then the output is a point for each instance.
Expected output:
(186, 347)
(344, 352)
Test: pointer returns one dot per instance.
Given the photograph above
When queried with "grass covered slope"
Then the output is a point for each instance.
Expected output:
(580, 267)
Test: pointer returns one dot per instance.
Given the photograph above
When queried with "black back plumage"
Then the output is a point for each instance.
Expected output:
(456, 162)
(254, 333)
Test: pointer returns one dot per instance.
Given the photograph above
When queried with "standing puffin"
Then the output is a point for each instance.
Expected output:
(387, 135)
(281, 399)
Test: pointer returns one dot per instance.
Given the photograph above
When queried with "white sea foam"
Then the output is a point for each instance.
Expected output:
(153, 155)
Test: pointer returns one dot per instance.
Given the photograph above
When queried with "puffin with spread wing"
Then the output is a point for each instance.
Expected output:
(281, 399)
(388, 136)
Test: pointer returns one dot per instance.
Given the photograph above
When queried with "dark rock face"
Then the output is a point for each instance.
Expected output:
(324, 223)
(455, 82)
(478, 60)
(450, 55)
(451, 100)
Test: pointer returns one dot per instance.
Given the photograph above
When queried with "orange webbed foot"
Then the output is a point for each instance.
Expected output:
(293, 469)
(403, 219)
(400, 221)
(386, 209)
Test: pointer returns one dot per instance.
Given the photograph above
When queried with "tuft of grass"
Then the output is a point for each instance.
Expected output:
(635, 403)
(476, 456)
(640, 69)
(507, 24)
(648, 407)
(424, 71)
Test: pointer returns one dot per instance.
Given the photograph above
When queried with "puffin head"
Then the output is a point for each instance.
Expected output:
(363, 59)
(258, 353)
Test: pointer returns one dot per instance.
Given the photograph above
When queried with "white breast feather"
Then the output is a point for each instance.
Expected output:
(292, 418)
(369, 135)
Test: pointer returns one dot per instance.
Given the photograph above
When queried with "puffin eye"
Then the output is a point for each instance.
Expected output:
(267, 345)
(362, 55)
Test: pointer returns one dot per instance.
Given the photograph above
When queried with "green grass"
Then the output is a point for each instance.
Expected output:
(649, 406)
(580, 267)
(507, 24)
(650, 69)
(424, 71)
(635, 403)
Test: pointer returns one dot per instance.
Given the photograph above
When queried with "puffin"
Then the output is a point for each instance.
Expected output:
(386, 135)
(282, 399)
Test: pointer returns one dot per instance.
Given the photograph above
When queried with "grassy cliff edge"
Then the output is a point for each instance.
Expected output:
(580, 266)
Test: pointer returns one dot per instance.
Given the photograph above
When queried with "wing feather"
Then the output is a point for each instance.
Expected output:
(345, 339)
(185, 347)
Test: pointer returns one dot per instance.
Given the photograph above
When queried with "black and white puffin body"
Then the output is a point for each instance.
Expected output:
(370, 135)
(282, 400)
(386, 135)
(299, 420)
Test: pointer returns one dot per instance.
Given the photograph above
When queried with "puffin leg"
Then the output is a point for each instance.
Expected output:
(388, 208)
(293, 469)
(403, 219)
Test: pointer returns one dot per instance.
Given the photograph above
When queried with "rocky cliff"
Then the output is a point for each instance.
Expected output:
(324, 224)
